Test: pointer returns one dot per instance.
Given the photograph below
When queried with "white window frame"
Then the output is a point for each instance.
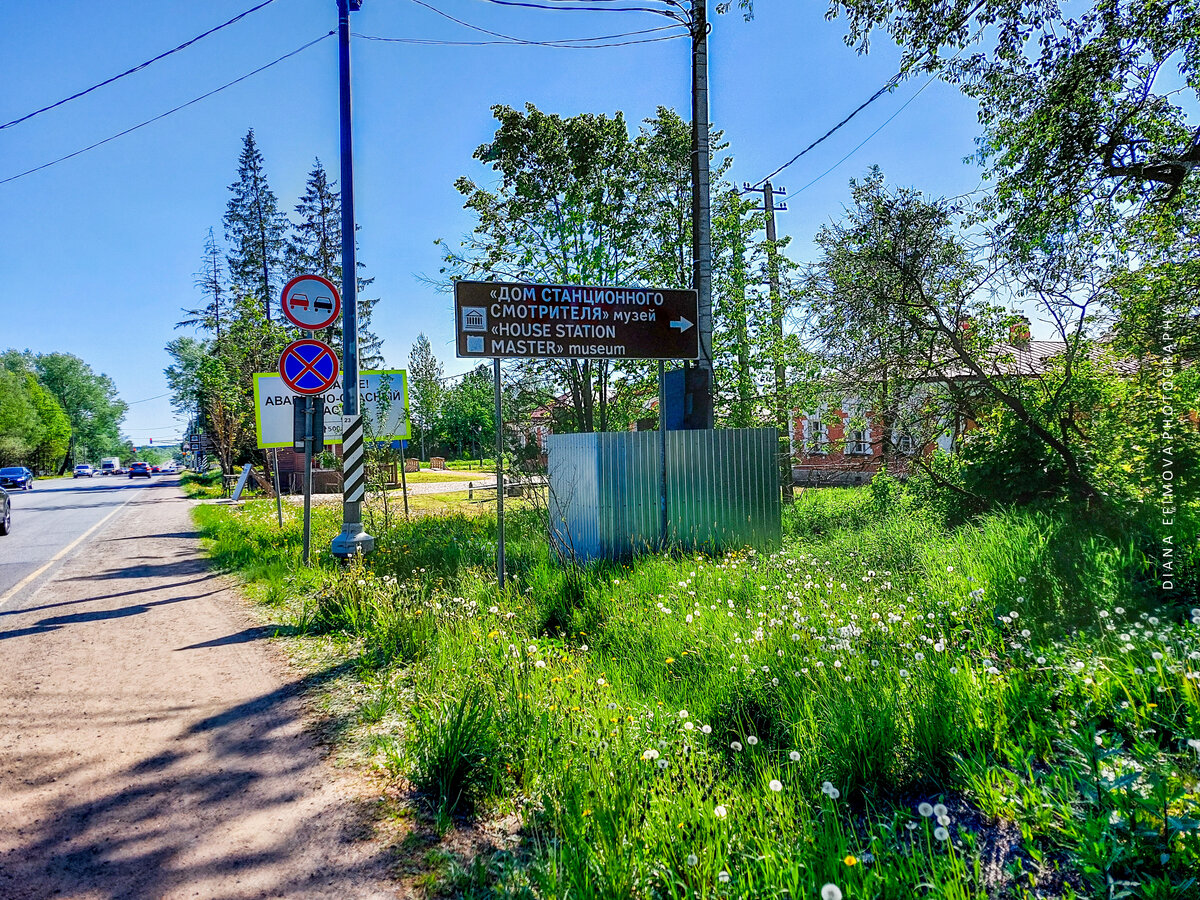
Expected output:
(816, 436)
(858, 441)
(898, 440)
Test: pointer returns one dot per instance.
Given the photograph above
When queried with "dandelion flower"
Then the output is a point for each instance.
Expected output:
(939, 809)
(794, 756)
(723, 877)
(850, 859)
(720, 811)
(692, 859)
(826, 787)
(662, 763)
(943, 820)
(736, 746)
(689, 725)
(540, 664)
(941, 833)
(925, 809)
(650, 754)
(775, 785)
(751, 740)
(601, 682)
(831, 892)
(707, 729)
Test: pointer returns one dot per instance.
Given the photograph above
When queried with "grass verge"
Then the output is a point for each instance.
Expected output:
(880, 709)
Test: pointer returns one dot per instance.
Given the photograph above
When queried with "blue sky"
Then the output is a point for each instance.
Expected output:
(98, 253)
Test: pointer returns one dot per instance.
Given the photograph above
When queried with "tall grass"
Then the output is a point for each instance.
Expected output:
(763, 725)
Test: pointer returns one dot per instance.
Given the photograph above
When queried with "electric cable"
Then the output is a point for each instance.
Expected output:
(515, 39)
(176, 109)
(147, 399)
(136, 68)
(648, 9)
(514, 43)
(868, 137)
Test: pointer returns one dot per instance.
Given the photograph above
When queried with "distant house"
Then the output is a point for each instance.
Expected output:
(840, 446)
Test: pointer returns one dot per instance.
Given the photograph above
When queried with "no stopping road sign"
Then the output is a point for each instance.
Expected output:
(308, 366)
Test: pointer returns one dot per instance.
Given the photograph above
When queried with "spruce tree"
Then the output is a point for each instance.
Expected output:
(211, 280)
(316, 249)
(255, 230)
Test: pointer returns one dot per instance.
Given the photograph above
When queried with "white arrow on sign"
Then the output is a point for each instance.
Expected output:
(682, 324)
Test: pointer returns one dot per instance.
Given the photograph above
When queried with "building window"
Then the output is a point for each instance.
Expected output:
(816, 436)
(904, 443)
(858, 442)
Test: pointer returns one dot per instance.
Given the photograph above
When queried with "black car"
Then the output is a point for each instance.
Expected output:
(139, 469)
(5, 512)
(17, 477)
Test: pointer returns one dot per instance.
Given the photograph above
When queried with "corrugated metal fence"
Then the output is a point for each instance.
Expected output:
(605, 490)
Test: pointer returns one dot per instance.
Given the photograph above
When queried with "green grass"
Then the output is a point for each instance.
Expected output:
(198, 485)
(427, 477)
(764, 725)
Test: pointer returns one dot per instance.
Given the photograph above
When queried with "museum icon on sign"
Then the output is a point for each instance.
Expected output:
(474, 318)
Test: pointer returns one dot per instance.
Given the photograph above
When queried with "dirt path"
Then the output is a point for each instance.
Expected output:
(151, 744)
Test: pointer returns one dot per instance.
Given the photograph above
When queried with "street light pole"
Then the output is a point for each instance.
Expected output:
(353, 540)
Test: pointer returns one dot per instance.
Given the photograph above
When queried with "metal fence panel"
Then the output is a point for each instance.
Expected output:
(605, 490)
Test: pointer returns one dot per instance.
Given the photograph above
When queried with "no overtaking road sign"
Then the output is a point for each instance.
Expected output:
(501, 320)
(308, 366)
(311, 302)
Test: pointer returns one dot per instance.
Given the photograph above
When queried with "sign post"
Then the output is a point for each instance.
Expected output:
(499, 479)
(309, 367)
(502, 320)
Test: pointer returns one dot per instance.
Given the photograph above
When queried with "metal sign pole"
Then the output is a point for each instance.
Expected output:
(275, 473)
(662, 454)
(353, 539)
(310, 405)
(499, 479)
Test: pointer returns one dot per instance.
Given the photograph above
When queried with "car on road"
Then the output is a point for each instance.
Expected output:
(5, 512)
(83, 470)
(16, 477)
(139, 469)
(156, 469)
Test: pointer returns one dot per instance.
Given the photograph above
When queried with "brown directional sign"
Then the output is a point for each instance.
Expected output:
(507, 320)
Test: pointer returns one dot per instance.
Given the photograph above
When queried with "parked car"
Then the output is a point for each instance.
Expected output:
(83, 470)
(5, 512)
(16, 477)
(139, 469)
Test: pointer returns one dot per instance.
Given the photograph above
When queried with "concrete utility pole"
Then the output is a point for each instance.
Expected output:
(353, 540)
(701, 206)
(776, 299)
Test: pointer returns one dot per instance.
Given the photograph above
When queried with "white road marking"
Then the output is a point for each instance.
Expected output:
(57, 556)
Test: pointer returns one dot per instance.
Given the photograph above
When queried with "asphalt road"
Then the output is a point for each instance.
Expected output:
(49, 521)
(153, 742)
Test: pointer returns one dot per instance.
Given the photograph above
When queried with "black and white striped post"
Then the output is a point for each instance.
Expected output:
(353, 540)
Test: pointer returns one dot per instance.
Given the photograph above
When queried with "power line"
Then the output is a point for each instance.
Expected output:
(883, 125)
(428, 42)
(514, 39)
(891, 83)
(228, 84)
(868, 137)
(648, 9)
(148, 399)
(136, 68)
